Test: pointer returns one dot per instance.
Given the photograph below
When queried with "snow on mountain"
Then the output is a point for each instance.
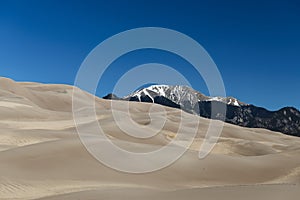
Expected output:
(180, 94)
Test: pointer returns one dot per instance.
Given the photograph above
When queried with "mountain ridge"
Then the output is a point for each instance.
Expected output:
(285, 120)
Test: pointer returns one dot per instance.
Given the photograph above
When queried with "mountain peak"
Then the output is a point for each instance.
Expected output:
(178, 94)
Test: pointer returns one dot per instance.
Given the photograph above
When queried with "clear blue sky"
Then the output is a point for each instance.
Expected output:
(255, 44)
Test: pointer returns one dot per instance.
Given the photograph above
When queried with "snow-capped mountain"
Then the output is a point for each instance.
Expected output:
(285, 120)
(179, 94)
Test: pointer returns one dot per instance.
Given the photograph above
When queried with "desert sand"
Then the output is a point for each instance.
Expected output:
(42, 157)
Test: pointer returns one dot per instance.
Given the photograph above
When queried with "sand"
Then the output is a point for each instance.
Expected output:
(42, 157)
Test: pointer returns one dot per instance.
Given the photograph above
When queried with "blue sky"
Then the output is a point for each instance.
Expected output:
(255, 44)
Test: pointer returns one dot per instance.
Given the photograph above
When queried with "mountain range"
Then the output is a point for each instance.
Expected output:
(285, 120)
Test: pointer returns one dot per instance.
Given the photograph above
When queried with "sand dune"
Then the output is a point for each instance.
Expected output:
(42, 157)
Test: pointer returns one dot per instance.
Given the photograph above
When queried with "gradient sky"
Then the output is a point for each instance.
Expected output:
(255, 44)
